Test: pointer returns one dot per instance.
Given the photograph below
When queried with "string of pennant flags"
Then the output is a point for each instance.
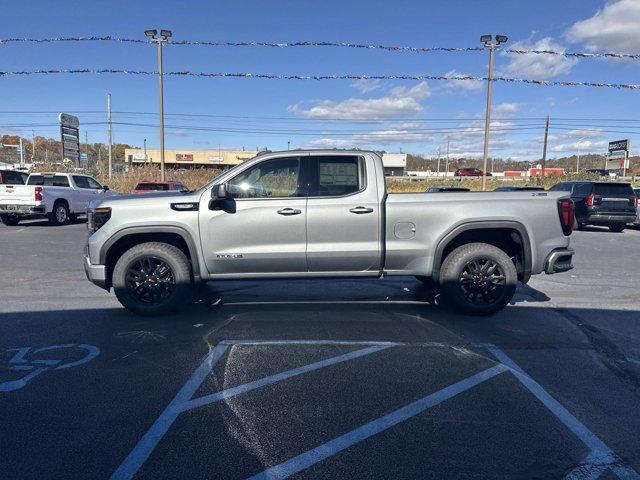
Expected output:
(185, 73)
(390, 48)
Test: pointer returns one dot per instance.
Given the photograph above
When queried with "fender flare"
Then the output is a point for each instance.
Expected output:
(486, 225)
(184, 234)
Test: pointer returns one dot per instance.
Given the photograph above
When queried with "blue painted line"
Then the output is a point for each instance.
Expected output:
(332, 447)
(247, 387)
(148, 442)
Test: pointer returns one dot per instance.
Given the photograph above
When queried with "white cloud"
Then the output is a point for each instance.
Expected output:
(466, 85)
(535, 66)
(366, 85)
(579, 147)
(373, 138)
(399, 102)
(506, 108)
(578, 133)
(615, 27)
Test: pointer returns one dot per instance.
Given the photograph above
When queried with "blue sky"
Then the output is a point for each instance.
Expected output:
(392, 115)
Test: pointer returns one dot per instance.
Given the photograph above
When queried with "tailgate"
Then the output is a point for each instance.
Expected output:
(17, 195)
(614, 197)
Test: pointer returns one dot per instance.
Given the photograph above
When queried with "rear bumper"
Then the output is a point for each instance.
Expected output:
(23, 210)
(559, 261)
(610, 218)
(96, 274)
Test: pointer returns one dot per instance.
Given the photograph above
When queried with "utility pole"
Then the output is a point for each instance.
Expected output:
(447, 163)
(544, 148)
(288, 144)
(109, 131)
(21, 153)
(160, 40)
(33, 146)
(145, 151)
(86, 146)
(486, 39)
(438, 167)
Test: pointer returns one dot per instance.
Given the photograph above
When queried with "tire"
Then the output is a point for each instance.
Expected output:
(618, 227)
(465, 291)
(153, 279)
(10, 220)
(582, 226)
(59, 215)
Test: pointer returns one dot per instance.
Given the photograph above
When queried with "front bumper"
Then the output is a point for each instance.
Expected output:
(96, 274)
(23, 210)
(559, 261)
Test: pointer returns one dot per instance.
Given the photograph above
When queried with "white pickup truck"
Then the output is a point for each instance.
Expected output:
(59, 197)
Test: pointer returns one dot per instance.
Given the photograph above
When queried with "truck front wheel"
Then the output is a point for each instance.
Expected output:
(153, 278)
(478, 279)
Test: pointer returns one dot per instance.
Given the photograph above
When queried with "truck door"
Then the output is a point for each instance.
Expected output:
(343, 215)
(264, 228)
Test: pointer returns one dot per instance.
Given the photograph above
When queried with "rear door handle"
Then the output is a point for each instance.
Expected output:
(289, 211)
(361, 210)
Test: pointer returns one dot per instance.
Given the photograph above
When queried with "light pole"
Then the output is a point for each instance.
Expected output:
(160, 40)
(486, 39)
(578, 159)
(145, 151)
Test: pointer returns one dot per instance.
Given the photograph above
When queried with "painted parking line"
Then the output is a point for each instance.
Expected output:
(332, 447)
(183, 401)
(599, 460)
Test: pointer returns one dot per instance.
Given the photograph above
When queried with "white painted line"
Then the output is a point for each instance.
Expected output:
(148, 442)
(247, 387)
(309, 342)
(590, 468)
(332, 447)
(598, 449)
(183, 401)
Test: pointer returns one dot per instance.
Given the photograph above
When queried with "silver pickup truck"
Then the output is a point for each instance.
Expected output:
(310, 214)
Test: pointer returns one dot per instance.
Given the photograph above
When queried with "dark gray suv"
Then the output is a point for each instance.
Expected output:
(609, 204)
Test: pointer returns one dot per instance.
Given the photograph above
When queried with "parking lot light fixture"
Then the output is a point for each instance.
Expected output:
(160, 40)
(486, 39)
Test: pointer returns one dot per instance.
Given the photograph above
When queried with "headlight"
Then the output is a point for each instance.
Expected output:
(96, 218)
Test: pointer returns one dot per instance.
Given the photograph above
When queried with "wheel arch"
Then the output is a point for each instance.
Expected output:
(508, 235)
(126, 238)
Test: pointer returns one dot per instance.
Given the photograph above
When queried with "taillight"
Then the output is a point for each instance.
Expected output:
(37, 193)
(634, 201)
(566, 212)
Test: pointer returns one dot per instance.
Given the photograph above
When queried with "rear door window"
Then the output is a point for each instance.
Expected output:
(152, 187)
(619, 190)
(35, 180)
(60, 181)
(334, 175)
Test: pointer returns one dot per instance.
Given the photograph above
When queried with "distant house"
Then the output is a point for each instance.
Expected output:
(395, 164)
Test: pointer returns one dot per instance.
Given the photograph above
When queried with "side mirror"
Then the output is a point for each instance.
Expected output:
(105, 187)
(220, 191)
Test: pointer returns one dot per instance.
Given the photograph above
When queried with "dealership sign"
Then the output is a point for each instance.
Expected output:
(70, 136)
(619, 145)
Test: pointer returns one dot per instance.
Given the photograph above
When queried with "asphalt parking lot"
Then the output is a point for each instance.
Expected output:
(318, 379)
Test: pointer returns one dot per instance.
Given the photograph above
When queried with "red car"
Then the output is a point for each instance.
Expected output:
(468, 172)
(150, 187)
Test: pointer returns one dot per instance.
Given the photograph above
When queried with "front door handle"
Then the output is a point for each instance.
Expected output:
(361, 210)
(289, 211)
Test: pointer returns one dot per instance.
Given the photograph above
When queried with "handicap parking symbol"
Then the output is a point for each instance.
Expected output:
(23, 361)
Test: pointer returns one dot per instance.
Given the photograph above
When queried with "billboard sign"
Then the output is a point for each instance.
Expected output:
(619, 145)
(184, 157)
(70, 136)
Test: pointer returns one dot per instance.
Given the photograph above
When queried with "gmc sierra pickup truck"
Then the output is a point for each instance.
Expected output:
(305, 214)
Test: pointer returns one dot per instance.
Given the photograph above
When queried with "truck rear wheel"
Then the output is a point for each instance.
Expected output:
(153, 278)
(59, 215)
(478, 279)
(10, 220)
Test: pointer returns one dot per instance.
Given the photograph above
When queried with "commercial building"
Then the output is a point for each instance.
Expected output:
(214, 158)
(395, 164)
